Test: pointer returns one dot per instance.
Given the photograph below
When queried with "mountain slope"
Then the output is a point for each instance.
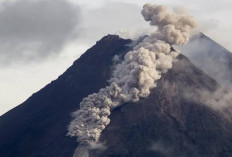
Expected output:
(166, 123)
(211, 57)
(39, 125)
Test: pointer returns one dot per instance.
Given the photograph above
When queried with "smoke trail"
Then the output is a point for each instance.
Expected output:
(135, 76)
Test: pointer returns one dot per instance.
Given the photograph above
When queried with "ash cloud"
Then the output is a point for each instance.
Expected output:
(135, 76)
(35, 29)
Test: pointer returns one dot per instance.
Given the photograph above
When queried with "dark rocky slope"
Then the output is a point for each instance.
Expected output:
(167, 123)
(38, 127)
(164, 124)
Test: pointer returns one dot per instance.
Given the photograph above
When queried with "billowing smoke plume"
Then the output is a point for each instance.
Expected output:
(135, 76)
(172, 28)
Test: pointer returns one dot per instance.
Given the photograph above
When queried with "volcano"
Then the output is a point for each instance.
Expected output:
(164, 124)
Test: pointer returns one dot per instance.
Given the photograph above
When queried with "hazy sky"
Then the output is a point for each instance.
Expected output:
(39, 39)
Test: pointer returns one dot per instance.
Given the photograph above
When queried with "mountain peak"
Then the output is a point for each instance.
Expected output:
(111, 38)
(211, 57)
(43, 118)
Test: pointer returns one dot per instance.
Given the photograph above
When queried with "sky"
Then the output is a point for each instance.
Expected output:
(40, 39)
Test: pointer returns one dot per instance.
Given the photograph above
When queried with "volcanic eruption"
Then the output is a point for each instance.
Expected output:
(133, 77)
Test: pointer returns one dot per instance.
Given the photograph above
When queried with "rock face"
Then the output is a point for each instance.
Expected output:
(165, 124)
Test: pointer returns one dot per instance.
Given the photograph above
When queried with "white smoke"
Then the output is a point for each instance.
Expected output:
(219, 100)
(160, 147)
(135, 76)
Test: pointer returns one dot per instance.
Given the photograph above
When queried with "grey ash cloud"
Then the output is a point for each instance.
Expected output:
(35, 29)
